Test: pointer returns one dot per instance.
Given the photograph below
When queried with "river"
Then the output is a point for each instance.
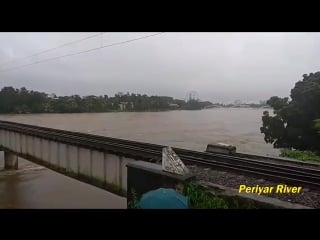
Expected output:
(37, 187)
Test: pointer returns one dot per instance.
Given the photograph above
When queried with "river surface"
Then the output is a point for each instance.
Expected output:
(33, 186)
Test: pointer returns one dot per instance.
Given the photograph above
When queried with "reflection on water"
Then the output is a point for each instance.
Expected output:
(33, 186)
(185, 129)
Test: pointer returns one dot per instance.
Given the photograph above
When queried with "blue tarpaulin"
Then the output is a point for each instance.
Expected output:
(163, 198)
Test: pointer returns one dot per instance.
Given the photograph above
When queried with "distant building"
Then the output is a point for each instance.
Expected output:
(174, 105)
(123, 106)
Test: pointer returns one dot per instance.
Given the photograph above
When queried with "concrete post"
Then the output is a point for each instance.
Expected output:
(10, 160)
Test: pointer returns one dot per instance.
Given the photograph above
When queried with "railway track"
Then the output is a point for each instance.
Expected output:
(285, 173)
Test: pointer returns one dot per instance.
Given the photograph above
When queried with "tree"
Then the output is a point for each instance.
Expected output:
(295, 124)
(24, 101)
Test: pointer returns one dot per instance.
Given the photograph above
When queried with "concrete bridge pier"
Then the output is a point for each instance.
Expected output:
(10, 160)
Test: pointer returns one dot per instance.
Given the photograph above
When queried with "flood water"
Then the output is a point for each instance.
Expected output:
(37, 187)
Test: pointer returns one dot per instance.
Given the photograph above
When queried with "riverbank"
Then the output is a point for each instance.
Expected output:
(141, 111)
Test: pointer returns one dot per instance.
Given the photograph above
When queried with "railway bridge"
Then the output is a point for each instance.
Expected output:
(101, 161)
(96, 160)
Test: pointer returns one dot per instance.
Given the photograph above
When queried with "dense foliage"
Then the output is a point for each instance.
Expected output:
(24, 101)
(295, 123)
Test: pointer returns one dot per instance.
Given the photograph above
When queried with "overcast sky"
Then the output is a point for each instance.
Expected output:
(220, 67)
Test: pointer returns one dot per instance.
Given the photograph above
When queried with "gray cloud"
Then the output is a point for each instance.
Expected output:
(219, 66)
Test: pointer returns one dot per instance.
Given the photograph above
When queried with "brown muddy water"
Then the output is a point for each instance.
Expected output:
(33, 186)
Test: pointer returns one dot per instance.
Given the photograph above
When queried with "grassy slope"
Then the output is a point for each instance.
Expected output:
(300, 155)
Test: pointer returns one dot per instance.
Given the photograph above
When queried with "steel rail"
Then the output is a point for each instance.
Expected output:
(147, 151)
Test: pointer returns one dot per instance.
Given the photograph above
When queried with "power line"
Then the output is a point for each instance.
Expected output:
(89, 50)
(51, 49)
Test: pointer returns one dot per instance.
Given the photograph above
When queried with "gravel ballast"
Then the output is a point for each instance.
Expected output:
(307, 197)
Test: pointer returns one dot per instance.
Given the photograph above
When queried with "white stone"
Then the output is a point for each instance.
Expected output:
(172, 163)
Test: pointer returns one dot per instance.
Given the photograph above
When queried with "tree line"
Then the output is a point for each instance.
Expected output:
(24, 101)
(295, 123)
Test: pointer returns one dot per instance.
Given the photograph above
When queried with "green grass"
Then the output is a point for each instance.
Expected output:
(300, 155)
(200, 199)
